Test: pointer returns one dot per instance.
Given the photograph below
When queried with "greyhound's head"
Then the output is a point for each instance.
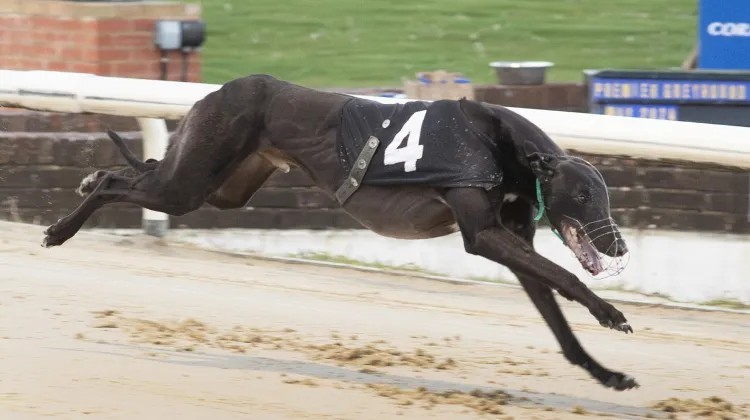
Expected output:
(577, 205)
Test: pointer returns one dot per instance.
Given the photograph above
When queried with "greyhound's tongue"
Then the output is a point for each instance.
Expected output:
(581, 246)
(593, 262)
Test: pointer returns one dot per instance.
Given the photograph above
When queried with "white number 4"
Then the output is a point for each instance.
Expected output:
(412, 152)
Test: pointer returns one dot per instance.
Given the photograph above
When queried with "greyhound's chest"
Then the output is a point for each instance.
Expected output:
(418, 143)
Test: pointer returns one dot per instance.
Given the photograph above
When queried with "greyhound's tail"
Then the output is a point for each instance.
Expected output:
(133, 161)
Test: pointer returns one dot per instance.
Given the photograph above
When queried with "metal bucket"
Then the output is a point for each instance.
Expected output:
(521, 72)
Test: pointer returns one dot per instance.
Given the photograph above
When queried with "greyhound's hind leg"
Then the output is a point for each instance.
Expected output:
(109, 185)
(244, 181)
(147, 190)
(220, 130)
(90, 182)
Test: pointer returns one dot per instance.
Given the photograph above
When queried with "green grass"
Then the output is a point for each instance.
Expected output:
(727, 303)
(340, 259)
(493, 280)
(357, 43)
(717, 303)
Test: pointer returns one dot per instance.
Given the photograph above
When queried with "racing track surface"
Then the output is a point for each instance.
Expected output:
(123, 328)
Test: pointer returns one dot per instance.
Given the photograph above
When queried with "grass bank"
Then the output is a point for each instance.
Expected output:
(357, 43)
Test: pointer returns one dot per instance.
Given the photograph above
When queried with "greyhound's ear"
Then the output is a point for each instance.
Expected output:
(542, 164)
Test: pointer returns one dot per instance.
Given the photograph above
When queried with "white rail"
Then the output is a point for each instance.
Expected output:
(155, 141)
(597, 134)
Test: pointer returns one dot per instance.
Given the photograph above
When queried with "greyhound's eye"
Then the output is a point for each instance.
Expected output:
(582, 198)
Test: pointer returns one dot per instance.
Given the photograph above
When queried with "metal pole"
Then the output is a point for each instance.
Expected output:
(155, 140)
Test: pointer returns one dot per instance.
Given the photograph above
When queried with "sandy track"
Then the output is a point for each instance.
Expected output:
(107, 327)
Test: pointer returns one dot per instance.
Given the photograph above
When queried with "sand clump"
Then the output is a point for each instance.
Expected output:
(307, 382)
(189, 334)
(713, 408)
(480, 401)
(377, 355)
(182, 335)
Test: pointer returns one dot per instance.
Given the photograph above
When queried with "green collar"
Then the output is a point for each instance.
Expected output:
(540, 209)
(540, 201)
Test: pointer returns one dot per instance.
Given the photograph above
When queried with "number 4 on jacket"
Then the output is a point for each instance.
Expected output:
(412, 152)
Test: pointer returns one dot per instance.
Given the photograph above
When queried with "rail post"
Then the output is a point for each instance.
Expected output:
(155, 140)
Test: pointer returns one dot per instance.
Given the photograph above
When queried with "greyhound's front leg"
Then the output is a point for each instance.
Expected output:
(544, 301)
(484, 236)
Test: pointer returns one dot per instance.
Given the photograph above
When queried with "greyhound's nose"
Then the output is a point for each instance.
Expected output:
(621, 248)
(617, 249)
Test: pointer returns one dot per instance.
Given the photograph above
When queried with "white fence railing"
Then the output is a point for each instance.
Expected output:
(596, 134)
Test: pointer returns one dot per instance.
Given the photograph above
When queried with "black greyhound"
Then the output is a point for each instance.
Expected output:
(467, 165)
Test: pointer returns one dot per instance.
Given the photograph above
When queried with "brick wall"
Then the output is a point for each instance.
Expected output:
(571, 97)
(675, 195)
(40, 169)
(108, 39)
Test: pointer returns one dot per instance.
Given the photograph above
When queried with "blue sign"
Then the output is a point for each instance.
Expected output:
(724, 34)
(713, 91)
(706, 96)
(657, 112)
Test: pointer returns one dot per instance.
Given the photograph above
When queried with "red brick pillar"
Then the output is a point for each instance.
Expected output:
(108, 39)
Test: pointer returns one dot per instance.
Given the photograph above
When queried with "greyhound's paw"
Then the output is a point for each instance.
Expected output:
(621, 382)
(609, 317)
(49, 242)
(89, 183)
(623, 326)
(54, 236)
